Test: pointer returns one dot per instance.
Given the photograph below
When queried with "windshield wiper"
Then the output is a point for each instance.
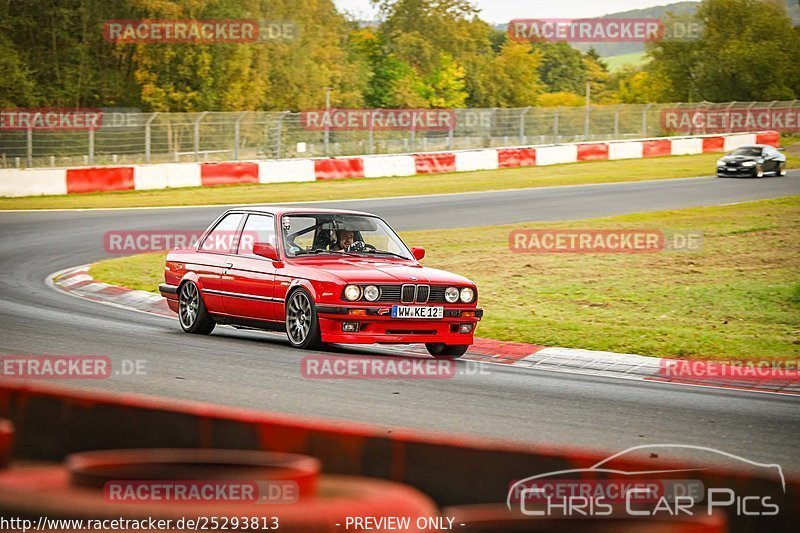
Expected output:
(314, 251)
(323, 251)
(384, 252)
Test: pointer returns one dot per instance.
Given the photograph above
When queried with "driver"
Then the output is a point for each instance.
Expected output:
(344, 239)
(348, 241)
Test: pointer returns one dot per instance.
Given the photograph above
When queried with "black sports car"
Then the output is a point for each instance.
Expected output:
(752, 161)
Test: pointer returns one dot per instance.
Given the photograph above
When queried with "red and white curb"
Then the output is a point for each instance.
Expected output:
(77, 282)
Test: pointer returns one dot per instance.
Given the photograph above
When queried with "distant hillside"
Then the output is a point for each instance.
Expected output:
(660, 12)
(677, 8)
(634, 58)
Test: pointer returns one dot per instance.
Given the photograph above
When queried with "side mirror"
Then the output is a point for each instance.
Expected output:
(418, 253)
(266, 250)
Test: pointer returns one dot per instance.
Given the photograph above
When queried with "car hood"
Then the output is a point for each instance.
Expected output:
(368, 270)
(740, 158)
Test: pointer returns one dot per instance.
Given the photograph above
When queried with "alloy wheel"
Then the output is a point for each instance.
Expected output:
(298, 318)
(189, 303)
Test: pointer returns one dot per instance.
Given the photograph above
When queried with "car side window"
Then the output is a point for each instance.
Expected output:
(257, 228)
(222, 238)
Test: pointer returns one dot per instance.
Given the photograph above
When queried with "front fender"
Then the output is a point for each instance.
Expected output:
(305, 284)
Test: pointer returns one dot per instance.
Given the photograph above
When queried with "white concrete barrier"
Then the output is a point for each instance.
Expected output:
(166, 176)
(286, 170)
(33, 182)
(739, 139)
(30, 182)
(476, 160)
(625, 150)
(687, 146)
(556, 154)
(379, 166)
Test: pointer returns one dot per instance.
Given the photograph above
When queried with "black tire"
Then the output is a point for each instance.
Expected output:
(781, 170)
(302, 323)
(192, 313)
(758, 172)
(446, 351)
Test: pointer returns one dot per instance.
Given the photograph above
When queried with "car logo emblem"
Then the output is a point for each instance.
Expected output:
(412, 278)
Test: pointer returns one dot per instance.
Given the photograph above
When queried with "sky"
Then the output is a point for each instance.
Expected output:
(504, 10)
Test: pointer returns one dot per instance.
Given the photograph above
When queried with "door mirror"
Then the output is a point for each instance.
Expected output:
(266, 250)
(418, 253)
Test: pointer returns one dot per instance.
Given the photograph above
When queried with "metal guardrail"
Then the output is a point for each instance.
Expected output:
(131, 138)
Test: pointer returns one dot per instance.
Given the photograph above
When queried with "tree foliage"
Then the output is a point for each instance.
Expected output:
(748, 50)
(421, 53)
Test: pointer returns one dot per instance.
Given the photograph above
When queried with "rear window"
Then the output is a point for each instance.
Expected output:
(222, 237)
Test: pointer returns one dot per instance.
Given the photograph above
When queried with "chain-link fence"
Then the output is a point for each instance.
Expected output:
(127, 138)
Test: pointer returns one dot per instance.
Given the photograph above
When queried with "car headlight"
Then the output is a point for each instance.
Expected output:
(467, 295)
(371, 293)
(352, 292)
(451, 294)
(749, 164)
(720, 163)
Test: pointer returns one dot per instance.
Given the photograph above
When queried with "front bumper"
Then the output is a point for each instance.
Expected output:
(738, 171)
(375, 325)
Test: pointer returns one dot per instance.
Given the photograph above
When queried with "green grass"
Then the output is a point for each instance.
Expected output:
(571, 174)
(141, 272)
(738, 298)
(617, 62)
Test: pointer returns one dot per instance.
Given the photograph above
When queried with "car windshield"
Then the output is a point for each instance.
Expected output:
(748, 151)
(345, 234)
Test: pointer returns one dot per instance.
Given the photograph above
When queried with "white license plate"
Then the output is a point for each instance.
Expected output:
(408, 311)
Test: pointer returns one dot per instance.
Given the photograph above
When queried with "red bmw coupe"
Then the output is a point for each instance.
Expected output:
(323, 276)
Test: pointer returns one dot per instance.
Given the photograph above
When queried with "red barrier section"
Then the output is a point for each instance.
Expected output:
(592, 152)
(6, 434)
(657, 148)
(228, 173)
(713, 144)
(99, 179)
(221, 499)
(435, 163)
(97, 467)
(516, 157)
(53, 421)
(772, 138)
(333, 169)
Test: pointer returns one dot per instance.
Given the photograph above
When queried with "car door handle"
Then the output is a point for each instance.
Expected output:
(228, 265)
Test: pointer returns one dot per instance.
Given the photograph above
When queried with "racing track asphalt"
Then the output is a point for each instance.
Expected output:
(250, 369)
